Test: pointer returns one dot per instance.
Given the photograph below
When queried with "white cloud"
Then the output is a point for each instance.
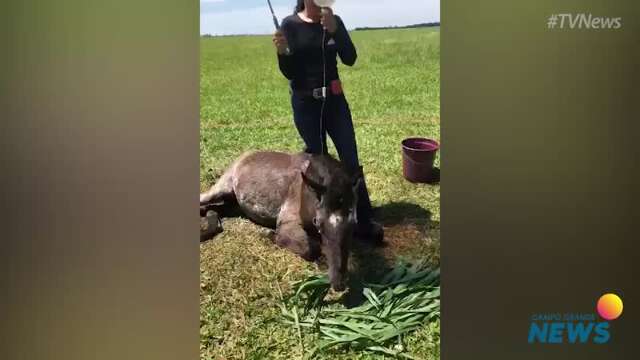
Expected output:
(355, 13)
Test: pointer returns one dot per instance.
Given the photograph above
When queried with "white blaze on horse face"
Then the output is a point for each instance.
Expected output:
(335, 220)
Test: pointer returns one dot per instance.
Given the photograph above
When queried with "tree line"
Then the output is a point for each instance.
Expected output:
(431, 24)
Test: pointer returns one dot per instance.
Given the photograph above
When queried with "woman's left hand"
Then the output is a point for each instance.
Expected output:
(328, 20)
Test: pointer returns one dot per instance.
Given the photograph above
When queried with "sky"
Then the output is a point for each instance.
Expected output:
(228, 17)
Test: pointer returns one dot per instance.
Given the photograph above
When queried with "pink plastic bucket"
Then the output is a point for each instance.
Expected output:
(418, 155)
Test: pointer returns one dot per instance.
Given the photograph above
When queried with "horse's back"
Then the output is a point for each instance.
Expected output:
(261, 183)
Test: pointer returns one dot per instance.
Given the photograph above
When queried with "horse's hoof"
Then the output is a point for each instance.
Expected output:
(209, 226)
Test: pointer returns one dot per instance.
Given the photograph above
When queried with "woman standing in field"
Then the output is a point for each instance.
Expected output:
(308, 45)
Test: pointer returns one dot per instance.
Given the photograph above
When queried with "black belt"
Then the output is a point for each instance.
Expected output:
(317, 93)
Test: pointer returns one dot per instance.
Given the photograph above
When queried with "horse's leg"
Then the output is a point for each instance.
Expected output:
(209, 225)
(222, 190)
(293, 237)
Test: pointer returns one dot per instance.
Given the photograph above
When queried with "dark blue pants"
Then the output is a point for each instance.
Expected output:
(339, 125)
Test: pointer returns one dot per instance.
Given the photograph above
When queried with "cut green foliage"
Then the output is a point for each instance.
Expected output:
(404, 300)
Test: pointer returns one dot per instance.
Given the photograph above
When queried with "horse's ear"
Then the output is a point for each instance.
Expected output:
(317, 187)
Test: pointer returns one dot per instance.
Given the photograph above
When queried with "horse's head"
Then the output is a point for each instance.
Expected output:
(335, 216)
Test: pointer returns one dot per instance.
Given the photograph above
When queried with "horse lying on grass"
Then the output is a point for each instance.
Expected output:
(310, 200)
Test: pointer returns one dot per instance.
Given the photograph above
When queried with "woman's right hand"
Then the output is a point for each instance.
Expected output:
(280, 42)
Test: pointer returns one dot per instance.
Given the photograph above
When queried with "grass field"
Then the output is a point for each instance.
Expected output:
(393, 91)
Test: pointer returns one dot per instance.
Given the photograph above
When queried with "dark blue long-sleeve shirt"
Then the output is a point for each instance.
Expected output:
(304, 66)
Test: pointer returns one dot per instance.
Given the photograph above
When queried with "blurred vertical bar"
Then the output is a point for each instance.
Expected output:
(539, 176)
(99, 179)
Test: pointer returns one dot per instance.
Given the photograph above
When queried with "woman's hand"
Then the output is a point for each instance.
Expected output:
(328, 20)
(280, 42)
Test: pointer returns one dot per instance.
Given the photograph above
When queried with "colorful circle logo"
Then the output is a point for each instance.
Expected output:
(610, 306)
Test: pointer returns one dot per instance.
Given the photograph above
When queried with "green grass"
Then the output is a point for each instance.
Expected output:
(393, 91)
